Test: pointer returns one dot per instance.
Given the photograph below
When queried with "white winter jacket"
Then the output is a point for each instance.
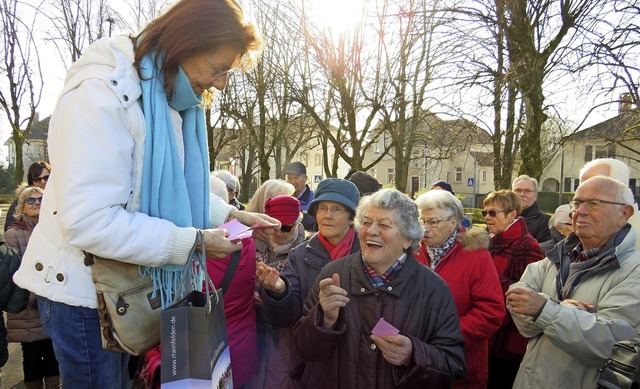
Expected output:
(91, 203)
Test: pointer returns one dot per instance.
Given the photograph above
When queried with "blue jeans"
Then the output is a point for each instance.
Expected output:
(75, 332)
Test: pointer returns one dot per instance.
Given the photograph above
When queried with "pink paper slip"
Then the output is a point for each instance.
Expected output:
(237, 230)
(383, 328)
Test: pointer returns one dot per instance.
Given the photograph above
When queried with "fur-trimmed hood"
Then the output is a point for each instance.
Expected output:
(474, 238)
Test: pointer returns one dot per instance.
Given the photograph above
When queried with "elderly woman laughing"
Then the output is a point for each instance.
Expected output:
(342, 334)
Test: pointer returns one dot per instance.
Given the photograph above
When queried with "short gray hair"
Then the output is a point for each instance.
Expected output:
(406, 212)
(561, 214)
(444, 200)
(524, 177)
(218, 187)
(622, 192)
(617, 169)
(229, 179)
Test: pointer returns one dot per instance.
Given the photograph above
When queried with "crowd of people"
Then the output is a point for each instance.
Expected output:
(348, 286)
(304, 304)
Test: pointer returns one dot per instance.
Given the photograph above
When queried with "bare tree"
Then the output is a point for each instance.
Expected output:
(614, 46)
(413, 54)
(535, 31)
(340, 82)
(141, 11)
(21, 96)
(76, 24)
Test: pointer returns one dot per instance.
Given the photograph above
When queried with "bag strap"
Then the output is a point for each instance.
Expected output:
(231, 271)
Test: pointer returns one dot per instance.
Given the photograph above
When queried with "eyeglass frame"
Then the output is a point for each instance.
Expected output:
(32, 200)
(38, 179)
(492, 212)
(216, 71)
(434, 223)
(335, 210)
(525, 191)
(590, 204)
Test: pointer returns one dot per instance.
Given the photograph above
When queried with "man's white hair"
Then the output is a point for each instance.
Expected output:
(617, 169)
(218, 187)
(607, 184)
(524, 177)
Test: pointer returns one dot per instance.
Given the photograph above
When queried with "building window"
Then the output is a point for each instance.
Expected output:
(484, 176)
(416, 159)
(633, 185)
(391, 175)
(570, 184)
(592, 152)
(458, 174)
(373, 172)
(318, 159)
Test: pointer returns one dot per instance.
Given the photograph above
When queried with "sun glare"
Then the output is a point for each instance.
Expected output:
(336, 17)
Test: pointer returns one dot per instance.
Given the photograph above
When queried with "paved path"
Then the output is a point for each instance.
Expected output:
(12, 371)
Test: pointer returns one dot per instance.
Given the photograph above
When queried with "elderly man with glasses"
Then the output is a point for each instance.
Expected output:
(580, 300)
(537, 221)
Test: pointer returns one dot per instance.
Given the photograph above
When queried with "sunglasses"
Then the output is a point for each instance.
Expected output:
(32, 200)
(38, 179)
(491, 212)
(287, 227)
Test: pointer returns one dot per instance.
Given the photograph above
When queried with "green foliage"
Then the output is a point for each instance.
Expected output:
(477, 215)
(7, 185)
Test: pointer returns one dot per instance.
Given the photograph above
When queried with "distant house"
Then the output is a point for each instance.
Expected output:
(34, 147)
(618, 137)
(456, 151)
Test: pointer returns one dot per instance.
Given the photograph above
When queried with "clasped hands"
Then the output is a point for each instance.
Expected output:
(525, 301)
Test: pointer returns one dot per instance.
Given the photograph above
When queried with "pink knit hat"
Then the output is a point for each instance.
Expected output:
(285, 208)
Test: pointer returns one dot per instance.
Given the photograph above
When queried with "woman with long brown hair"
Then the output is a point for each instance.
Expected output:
(128, 140)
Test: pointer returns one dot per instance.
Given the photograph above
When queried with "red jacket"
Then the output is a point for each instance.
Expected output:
(512, 250)
(471, 275)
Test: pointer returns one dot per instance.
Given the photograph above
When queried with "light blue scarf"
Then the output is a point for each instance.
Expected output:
(169, 191)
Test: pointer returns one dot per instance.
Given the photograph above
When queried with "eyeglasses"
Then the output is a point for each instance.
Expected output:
(38, 179)
(334, 210)
(433, 223)
(591, 204)
(491, 212)
(32, 200)
(287, 227)
(216, 71)
(525, 191)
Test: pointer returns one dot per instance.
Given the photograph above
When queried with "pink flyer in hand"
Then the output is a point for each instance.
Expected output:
(383, 328)
(237, 230)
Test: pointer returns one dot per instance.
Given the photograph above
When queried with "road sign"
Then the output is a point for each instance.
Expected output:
(470, 181)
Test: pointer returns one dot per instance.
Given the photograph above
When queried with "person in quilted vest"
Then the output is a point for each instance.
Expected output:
(39, 360)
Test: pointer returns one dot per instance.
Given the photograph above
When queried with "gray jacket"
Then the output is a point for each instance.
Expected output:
(567, 345)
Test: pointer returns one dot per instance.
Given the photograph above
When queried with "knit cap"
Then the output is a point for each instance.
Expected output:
(285, 208)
